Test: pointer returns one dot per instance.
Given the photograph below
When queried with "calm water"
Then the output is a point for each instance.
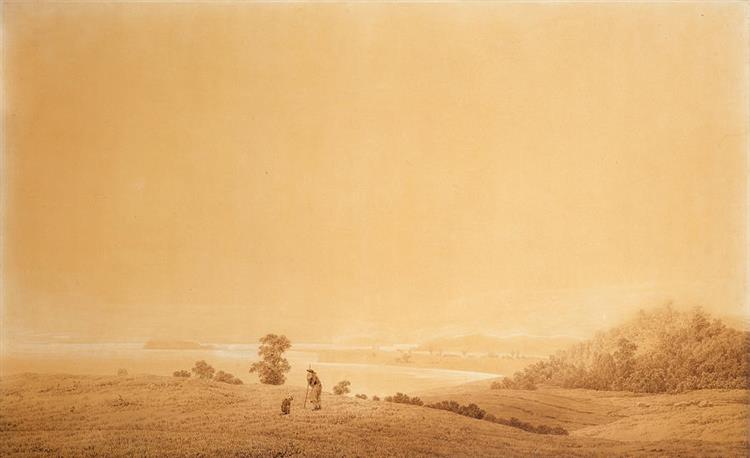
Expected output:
(234, 358)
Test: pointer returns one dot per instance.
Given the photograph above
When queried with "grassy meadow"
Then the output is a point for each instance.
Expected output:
(145, 415)
(706, 415)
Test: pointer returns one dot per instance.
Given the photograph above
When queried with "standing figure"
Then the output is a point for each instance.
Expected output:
(315, 388)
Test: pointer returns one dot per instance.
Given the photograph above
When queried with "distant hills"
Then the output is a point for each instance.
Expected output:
(518, 344)
(176, 345)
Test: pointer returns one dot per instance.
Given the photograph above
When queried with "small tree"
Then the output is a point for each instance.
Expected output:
(273, 366)
(203, 370)
(342, 387)
(122, 372)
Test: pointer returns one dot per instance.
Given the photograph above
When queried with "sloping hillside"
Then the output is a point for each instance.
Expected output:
(162, 416)
(544, 406)
(707, 415)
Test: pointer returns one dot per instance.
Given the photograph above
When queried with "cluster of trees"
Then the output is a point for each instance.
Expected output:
(661, 351)
(205, 371)
(402, 398)
(474, 411)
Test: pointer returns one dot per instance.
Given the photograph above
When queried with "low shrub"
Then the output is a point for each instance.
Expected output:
(474, 411)
(402, 398)
(471, 410)
(122, 372)
(226, 377)
(181, 373)
(375, 398)
(360, 396)
(539, 429)
(342, 387)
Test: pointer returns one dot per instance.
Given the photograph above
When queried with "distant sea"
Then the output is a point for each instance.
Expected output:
(107, 358)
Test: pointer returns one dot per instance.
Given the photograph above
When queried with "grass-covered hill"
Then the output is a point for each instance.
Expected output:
(707, 415)
(664, 350)
(58, 415)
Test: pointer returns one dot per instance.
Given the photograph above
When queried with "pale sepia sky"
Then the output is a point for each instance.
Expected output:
(221, 171)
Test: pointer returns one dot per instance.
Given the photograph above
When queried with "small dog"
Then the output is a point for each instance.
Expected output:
(286, 405)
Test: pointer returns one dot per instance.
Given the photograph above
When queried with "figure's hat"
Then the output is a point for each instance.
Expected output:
(311, 371)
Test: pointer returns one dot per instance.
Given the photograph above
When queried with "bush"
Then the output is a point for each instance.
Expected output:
(181, 373)
(474, 411)
(451, 406)
(504, 384)
(541, 429)
(203, 370)
(360, 396)
(273, 365)
(226, 377)
(471, 410)
(122, 372)
(401, 398)
(375, 398)
(342, 387)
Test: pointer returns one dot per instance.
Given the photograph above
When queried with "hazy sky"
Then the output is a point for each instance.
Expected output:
(222, 171)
